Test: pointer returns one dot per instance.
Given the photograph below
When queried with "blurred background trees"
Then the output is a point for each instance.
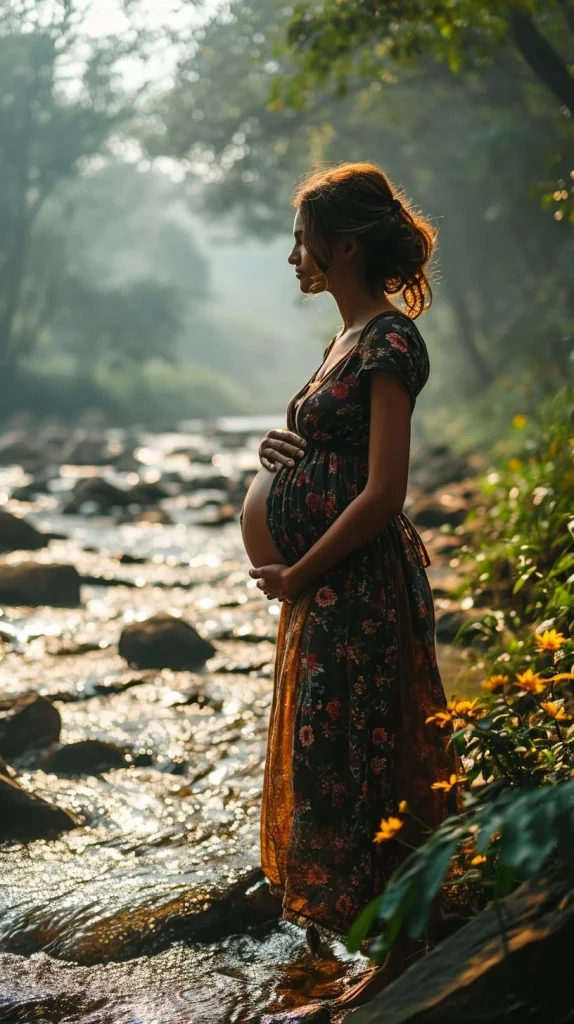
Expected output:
(145, 229)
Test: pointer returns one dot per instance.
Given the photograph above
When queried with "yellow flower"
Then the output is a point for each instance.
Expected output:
(561, 676)
(549, 640)
(494, 683)
(387, 829)
(555, 711)
(447, 786)
(441, 718)
(519, 421)
(403, 807)
(462, 707)
(479, 859)
(514, 464)
(531, 681)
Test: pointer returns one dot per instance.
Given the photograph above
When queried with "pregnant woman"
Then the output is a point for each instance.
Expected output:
(356, 671)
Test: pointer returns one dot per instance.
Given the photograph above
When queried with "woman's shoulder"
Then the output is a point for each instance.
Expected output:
(392, 341)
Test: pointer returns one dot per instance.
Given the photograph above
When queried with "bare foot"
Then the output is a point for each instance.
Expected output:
(397, 960)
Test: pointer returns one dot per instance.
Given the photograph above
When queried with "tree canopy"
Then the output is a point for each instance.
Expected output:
(471, 148)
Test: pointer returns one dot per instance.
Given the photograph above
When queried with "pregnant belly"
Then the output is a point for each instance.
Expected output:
(257, 539)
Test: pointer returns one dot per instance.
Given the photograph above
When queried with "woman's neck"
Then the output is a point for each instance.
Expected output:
(357, 306)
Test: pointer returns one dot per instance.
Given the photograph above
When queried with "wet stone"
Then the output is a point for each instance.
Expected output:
(85, 757)
(33, 584)
(18, 535)
(27, 722)
(26, 817)
(164, 642)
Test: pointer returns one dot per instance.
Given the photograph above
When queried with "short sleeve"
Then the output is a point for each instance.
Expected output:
(394, 345)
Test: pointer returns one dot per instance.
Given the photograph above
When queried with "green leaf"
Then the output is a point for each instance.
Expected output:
(361, 927)
(432, 878)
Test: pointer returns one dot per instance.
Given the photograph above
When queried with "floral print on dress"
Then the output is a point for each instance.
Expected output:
(356, 670)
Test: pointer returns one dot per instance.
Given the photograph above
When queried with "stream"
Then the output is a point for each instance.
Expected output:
(152, 910)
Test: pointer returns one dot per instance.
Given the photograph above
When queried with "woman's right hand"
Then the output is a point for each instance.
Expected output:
(281, 448)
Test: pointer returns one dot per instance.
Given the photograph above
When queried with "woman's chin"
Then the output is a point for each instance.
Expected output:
(306, 285)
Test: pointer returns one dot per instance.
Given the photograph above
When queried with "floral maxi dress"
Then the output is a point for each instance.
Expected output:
(356, 671)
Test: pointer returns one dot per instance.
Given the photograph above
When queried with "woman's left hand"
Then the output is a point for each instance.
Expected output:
(276, 581)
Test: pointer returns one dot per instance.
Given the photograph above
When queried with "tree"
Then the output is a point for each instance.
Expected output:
(49, 128)
(468, 148)
(332, 35)
(128, 324)
(335, 41)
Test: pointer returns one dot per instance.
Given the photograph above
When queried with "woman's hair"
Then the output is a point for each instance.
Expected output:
(397, 243)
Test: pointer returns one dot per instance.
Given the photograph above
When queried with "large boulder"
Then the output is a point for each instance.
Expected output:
(508, 965)
(164, 641)
(18, 535)
(86, 757)
(33, 584)
(25, 817)
(27, 722)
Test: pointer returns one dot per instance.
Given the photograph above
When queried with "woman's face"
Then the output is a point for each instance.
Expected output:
(306, 270)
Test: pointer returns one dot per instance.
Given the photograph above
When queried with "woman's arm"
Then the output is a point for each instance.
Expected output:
(368, 514)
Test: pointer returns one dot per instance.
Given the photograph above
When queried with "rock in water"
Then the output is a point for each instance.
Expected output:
(164, 642)
(32, 584)
(18, 535)
(27, 722)
(24, 816)
(86, 757)
(97, 495)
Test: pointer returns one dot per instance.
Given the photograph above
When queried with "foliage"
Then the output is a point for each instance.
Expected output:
(517, 821)
(155, 394)
(533, 830)
(97, 275)
(46, 133)
(468, 149)
(520, 556)
(334, 37)
(335, 41)
(515, 743)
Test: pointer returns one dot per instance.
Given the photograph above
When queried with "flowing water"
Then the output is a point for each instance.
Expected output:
(152, 910)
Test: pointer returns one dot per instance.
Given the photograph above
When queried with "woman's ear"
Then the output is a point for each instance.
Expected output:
(350, 247)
